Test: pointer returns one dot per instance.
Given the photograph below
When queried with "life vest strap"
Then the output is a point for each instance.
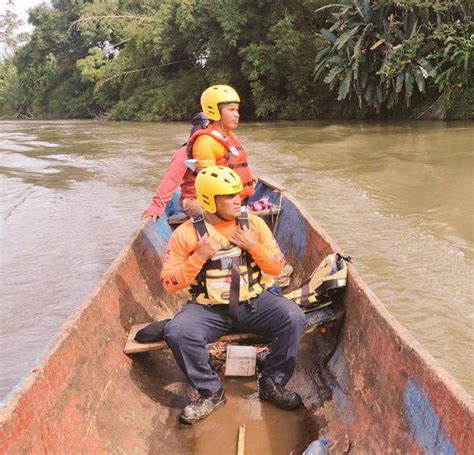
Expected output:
(199, 225)
(234, 297)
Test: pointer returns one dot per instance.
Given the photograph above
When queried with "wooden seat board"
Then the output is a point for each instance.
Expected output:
(134, 347)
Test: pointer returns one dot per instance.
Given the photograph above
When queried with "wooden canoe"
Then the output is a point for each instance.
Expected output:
(370, 387)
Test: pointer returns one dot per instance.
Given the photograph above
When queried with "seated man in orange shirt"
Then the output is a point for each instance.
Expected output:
(217, 144)
(228, 259)
(210, 144)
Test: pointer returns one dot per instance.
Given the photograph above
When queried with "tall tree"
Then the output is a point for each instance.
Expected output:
(10, 37)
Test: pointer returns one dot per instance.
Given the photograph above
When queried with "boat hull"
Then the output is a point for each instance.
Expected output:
(367, 385)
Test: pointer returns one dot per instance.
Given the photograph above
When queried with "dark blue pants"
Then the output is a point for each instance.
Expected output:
(196, 325)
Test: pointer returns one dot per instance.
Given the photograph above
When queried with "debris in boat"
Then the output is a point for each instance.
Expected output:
(262, 204)
(241, 441)
(262, 354)
(319, 447)
(217, 351)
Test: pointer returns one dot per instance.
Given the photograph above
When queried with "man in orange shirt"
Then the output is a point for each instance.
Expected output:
(228, 259)
(217, 144)
(213, 143)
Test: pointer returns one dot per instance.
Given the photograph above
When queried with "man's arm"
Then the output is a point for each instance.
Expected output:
(169, 184)
(207, 150)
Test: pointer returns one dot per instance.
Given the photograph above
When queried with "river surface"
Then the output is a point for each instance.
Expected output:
(397, 197)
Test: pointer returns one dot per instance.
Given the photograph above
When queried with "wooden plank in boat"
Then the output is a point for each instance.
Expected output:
(179, 219)
(134, 347)
(272, 184)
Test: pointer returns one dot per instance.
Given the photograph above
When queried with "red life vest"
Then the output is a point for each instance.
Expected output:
(235, 158)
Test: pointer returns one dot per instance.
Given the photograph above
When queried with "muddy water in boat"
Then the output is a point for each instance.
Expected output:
(267, 429)
(397, 197)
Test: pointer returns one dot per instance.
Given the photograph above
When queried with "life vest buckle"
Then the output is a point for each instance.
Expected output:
(234, 150)
(226, 263)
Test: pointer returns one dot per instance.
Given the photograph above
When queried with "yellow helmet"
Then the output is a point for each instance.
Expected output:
(215, 95)
(216, 181)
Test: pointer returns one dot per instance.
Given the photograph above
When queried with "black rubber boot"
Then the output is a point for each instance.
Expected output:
(202, 407)
(277, 394)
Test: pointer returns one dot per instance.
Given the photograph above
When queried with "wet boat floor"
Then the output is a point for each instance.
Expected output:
(268, 429)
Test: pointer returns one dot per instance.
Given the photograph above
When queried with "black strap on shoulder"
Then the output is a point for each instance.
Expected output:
(200, 225)
(243, 220)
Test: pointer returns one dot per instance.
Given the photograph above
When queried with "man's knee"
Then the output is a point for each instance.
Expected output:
(293, 314)
(176, 331)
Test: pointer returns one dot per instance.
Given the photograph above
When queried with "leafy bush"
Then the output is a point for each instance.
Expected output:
(381, 52)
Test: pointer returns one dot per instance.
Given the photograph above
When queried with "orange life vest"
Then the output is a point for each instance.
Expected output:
(235, 158)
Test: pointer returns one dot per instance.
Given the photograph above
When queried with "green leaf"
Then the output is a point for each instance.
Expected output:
(420, 81)
(358, 47)
(345, 86)
(369, 92)
(399, 83)
(328, 35)
(379, 93)
(333, 5)
(409, 82)
(363, 6)
(363, 79)
(427, 66)
(346, 36)
(390, 100)
(333, 73)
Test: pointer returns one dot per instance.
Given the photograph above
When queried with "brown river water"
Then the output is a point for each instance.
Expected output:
(397, 197)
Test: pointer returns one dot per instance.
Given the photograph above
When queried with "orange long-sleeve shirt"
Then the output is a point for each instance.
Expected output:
(181, 264)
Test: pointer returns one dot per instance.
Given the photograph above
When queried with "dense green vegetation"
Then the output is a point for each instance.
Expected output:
(289, 59)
